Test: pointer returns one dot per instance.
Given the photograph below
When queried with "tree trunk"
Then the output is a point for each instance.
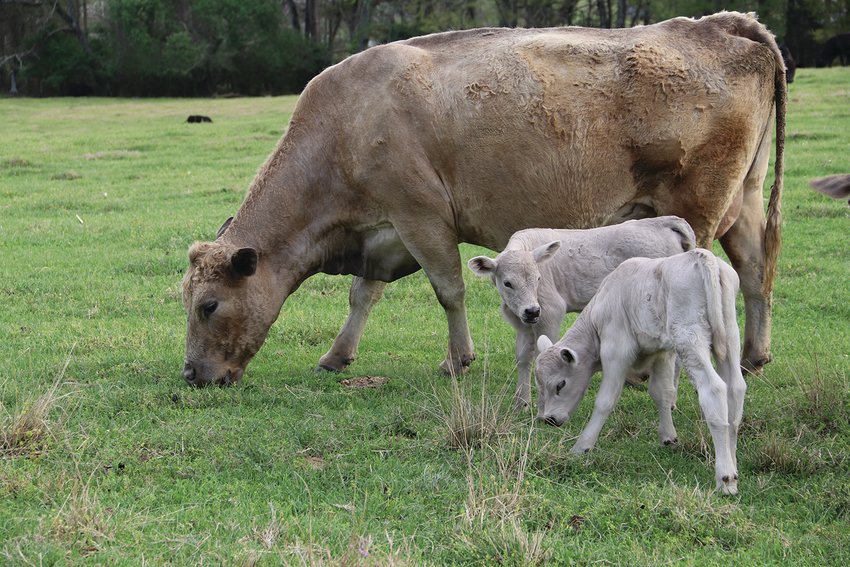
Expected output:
(621, 13)
(293, 14)
(311, 19)
(604, 20)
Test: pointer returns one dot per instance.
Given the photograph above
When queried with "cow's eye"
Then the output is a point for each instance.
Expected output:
(560, 386)
(209, 308)
(509, 284)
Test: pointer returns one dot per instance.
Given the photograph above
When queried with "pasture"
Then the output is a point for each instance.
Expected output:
(107, 457)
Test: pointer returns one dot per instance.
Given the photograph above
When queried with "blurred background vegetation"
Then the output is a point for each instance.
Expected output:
(258, 47)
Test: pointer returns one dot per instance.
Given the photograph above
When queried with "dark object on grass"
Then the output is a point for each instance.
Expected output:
(836, 186)
(198, 118)
(836, 46)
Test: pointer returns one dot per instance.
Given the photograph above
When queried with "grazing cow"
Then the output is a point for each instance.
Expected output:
(835, 186)
(543, 274)
(398, 153)
(648, 312)
(197, 118)
(836, 46)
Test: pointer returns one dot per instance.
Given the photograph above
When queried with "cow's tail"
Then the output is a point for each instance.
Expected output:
(746, 25)
(709, 270)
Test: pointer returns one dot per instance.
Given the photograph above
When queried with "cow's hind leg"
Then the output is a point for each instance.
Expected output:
(362, 296)
(744, 244)
(435, 249)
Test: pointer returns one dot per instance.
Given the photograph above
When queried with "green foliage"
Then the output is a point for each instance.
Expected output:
(115, 461)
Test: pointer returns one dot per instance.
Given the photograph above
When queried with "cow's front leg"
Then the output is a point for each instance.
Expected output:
(362, 296)
(613, 379)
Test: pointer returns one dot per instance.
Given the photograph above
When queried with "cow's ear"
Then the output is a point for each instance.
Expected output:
(546, 251)
(569, 355)
(482, 266)
(224, 227)
(543, 343)
(244, 262)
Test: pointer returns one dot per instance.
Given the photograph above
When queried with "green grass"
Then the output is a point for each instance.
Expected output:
(106, 457)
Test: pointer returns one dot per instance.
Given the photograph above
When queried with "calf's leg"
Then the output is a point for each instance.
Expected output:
(663, 391)
(613, 378)
(712, 394)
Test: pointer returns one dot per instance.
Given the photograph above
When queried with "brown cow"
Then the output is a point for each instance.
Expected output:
(400, 152)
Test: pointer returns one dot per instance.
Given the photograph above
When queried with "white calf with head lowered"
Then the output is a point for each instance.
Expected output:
(543, 274)
(647, 312)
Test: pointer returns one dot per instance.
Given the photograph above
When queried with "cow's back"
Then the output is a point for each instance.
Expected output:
(529, 127)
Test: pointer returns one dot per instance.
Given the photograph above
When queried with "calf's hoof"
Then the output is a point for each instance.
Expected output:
(670, 441)
(334, 363)
(728, 484)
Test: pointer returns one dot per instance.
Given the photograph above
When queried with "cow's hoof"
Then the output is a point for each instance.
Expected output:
(332, 363)
(451, 368)
(755, 365)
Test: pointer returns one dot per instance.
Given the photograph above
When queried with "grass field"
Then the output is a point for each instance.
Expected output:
(106, 457)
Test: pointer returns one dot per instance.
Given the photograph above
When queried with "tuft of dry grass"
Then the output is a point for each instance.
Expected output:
(472, 423)
(27, 431)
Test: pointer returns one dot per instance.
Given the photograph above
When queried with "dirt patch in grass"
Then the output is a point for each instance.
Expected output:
(364, 382)
(113, 154)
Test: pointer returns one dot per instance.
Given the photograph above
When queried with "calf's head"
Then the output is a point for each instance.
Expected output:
(227, 293)
(516, 275)
(563, 377)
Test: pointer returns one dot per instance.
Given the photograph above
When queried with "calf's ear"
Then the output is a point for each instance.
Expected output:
(543, 343)
(243, 262)
(546, 251)
(569, 355)
(482, 266)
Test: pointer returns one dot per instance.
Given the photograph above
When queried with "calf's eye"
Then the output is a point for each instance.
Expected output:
(509, 284)
(560, 386)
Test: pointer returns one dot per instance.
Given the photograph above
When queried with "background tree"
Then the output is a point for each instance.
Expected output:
(202, 47)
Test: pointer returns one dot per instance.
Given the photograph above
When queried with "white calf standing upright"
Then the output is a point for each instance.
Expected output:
(647, 312)
(543, 274)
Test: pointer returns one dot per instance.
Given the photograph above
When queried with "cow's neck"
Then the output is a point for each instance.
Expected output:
(285, 215)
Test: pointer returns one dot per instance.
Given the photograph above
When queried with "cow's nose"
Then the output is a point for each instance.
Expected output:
(189, 373)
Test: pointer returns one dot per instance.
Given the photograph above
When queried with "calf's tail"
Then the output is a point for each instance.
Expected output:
(709, 270)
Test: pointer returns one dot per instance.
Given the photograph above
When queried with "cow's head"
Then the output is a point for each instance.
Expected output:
(563, 377)
(230, 303)
(516, 275)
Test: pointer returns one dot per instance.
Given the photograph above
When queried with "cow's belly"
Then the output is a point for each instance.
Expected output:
(375, 253)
